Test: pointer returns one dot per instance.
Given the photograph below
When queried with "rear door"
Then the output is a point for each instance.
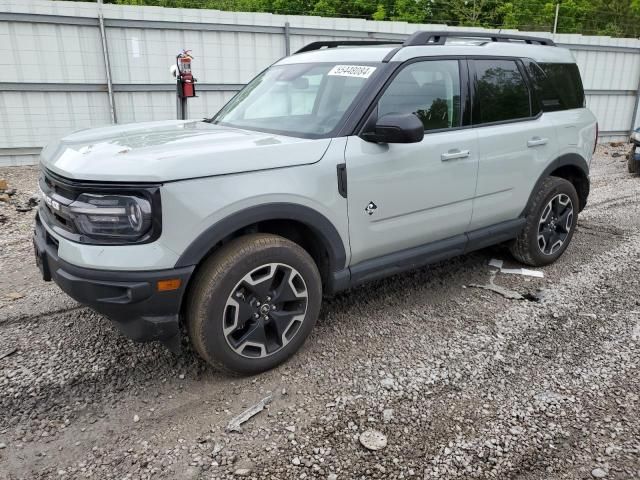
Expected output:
(515, 139)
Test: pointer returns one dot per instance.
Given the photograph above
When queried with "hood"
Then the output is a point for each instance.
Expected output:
(174, 150)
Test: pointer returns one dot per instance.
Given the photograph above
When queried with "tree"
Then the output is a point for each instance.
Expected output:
(589, 17)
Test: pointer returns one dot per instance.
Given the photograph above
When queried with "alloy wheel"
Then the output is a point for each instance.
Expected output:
(555, 224)
(265, 310)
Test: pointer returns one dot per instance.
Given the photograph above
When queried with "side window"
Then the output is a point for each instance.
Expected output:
(429, 89)
(501, 92)
(544, 89)
(565, 79)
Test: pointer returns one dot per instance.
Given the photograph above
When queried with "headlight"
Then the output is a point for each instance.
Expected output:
(123, 217)
(635, 137)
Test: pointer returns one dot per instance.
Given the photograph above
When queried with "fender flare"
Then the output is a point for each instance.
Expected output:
(568, 159)
(318, 223)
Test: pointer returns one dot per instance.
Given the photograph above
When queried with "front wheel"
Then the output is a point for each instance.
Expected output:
(550, 223)
(253, 303)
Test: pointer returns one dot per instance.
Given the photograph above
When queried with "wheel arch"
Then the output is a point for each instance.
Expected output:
(300, 224)
(572, 167)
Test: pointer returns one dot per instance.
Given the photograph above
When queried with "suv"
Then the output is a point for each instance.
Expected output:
(343, 163)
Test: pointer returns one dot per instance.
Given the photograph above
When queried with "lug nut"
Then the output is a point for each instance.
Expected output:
(268, 299)
(256, 315)
(257, 304)
(273, 307)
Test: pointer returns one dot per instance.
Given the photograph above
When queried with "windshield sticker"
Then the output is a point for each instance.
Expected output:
(352, 71)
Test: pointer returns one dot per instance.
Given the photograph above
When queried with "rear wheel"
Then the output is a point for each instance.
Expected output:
(632, 164)
(253, 303)
(550, 223)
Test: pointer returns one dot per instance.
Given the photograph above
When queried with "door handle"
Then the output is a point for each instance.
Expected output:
(537, 141)
(454, 155)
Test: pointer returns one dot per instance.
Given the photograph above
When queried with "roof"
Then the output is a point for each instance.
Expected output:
(433, 44)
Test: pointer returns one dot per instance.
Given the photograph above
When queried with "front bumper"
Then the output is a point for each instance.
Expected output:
(129, 298)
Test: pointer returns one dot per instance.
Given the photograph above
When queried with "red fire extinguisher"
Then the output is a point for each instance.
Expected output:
(185, 82)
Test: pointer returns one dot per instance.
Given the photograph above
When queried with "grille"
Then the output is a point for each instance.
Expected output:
(58, 194)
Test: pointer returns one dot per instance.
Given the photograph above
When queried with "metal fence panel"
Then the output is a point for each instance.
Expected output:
(31, 119)
(53, 78)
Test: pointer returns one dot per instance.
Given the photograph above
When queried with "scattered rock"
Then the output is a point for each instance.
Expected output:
(3, 445)
(388, 383)
(244, 469)
(4, 198)
(23, 208)
(3, 184)
(290, 428)
(295, 461)
(598, 473)
(387, 415)
(136, 418)
(15, 295)
(332, 476)
(373, 440)
(8, 352)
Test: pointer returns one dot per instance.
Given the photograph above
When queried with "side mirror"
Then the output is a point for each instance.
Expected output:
(396, 128)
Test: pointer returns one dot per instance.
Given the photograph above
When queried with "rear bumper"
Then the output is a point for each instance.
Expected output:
(129, 298)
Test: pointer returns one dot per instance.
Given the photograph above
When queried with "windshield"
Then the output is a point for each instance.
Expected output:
(306, 100)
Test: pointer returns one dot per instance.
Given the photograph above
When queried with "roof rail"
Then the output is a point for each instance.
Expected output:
(439, 38)
(344, 43)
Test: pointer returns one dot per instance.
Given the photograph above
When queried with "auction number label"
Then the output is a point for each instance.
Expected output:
(359, 71)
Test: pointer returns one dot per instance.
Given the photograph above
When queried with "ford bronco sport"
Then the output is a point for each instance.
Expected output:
(340, 164)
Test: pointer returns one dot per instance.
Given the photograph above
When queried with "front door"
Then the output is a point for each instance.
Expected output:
(407, 195)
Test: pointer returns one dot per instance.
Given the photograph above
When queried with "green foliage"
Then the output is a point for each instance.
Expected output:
(620, 18)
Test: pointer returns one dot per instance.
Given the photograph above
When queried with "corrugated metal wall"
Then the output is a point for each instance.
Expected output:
(53, 77)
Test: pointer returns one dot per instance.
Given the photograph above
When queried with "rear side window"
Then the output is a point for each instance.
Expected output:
(501, 92)
(560, 88)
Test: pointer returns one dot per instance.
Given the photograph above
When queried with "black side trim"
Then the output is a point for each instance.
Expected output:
(342, 179)
(317, 222)
(416, 257)
(569, 159)
(498, 233)
(409, 259)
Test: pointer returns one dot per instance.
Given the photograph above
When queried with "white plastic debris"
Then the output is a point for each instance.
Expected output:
(494, 262)
(499, 264)
(523, 271)
(236, 422)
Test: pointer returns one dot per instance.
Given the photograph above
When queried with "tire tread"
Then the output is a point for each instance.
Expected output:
(521, 248)
(209, 275)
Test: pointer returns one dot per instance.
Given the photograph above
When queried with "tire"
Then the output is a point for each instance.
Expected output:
(632, 164)
(253, 303)
(551, 217)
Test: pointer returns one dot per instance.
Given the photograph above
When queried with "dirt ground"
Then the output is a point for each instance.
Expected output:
(463, 382)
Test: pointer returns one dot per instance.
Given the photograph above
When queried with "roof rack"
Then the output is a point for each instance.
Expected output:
(345, 43)
(439, 38)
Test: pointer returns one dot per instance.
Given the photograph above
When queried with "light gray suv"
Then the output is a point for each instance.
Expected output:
(343, 163)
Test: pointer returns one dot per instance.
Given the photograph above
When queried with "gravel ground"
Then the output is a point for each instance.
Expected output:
(462, 382)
